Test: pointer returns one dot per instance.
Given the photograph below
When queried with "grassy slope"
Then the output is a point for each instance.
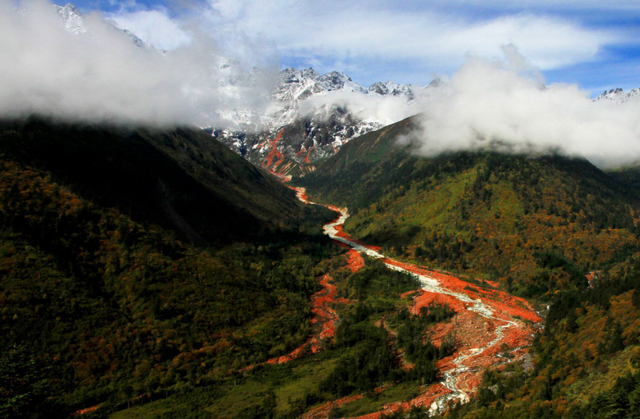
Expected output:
(536, 224)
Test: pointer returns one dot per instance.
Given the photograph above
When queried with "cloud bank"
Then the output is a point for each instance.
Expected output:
(409, 39)
(369, 108)
(503, 106)
(101, 75)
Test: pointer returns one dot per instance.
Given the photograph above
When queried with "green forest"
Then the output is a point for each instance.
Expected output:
(537, 225)
(138, 279)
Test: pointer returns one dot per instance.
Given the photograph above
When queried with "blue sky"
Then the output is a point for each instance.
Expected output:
(592, 43)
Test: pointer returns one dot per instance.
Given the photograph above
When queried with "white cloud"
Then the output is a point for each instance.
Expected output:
(550, 4)
(371, 107)
(488, 105)
(153, 26)
(101, 75)
(366, 32)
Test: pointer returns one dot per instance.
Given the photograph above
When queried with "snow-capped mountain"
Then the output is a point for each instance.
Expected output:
(618, 95)
(73, 21)
(302, 114)
(72, 18)
(311, 114)
(296, 85)
(393, 89)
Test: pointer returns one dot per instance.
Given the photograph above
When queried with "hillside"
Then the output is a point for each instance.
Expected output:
(536, 224)
(587, 359)
(101, 304)
(629, 176)
(178, 179)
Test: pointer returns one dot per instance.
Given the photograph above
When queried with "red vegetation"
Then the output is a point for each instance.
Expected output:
(354, 260)
(408, 293)
(323, 315)
(489, 325)
(500, 301)
(300, 193)
(592, 276)
(427, 298)
(306, 159)
(322, 411)
(85, 411)
(344, 235)
(274, 157)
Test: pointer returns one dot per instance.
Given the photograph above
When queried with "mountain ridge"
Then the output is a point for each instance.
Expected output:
(501, 216)
(193, 185)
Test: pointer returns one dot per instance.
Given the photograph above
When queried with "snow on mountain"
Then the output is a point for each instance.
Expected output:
(393, 89)
(259, 104)
(296, 85)
(72, 18)
(618, 95)
(311, 129)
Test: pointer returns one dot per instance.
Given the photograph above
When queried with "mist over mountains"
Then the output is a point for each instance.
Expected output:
(87, 70)
(193, 231)
(505, 106)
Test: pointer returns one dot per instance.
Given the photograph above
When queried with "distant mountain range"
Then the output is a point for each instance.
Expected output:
(291, 120)
(313, 112)
(314, 109)
(618, 95)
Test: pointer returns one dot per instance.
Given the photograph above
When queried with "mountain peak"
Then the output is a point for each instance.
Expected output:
(336, 80)
(72, 18)
(618, 95)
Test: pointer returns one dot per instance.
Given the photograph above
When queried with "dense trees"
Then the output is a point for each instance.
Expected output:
(587, 358)
(24, 389)
(535, 224)
(120, 309)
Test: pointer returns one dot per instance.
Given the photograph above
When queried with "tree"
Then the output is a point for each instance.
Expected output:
(24, 387)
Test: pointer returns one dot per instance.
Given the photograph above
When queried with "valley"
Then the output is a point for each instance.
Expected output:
(491, 327)
(203, 215)
(237, 295)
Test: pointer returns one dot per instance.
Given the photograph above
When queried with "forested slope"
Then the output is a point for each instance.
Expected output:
(180, 179)
(587, 359)
(97, 305)
(538, 224)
